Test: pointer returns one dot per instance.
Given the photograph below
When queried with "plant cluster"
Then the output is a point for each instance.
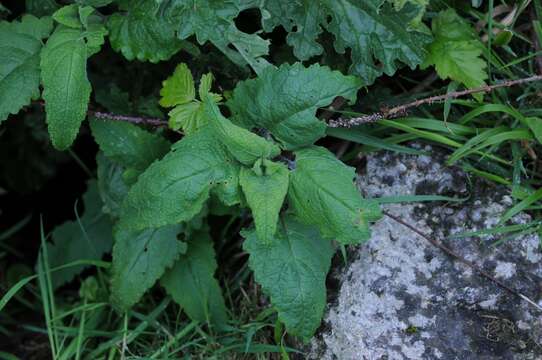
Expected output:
(240, 139)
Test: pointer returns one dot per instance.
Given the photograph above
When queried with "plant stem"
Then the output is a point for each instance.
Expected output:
(401, 110)
(131, 119)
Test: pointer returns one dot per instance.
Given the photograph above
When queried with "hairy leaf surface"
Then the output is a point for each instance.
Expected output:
(284, 100)
(456, 51)
(292, 270)
(244, 145)
(140, 258)
(66, 87)
(265, 187)
(175, 188)
(322, 193)
(20, 46)
(127, 144)
(143, 31)
(87, 238)
(192, 284)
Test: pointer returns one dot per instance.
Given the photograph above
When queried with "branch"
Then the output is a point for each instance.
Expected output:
(115, 117)
(401, 110)
(131, 119)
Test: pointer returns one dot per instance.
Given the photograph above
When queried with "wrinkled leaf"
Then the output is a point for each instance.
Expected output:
(192, 284)
(144, 32)
(322, 193)
(127, 144)
(284, 100)
(292, 270)
(178, 88)
(66, 87)
(376, 32)
(20, 46)
(456, 51)
(244, 145)
(140, 258)
(175, 188)
(265, 187)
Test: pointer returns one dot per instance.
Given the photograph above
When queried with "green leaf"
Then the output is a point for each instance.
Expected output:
(68, 16)
(143, 31)
(111, 185)
(191, 282)
(322, 193)
(20, 46)
(265, 187)
(188, 117)
(303, 15)
(456, 51)
(89, 237)
(66, 87)
(292, 270)
(285, 101)
(204, 88)
(178, 88)
(213, 21)
(535, 124)
(41, 7)
(244, 145)
(127, 144)
(140, 258)
(175, 188)
(376, 33)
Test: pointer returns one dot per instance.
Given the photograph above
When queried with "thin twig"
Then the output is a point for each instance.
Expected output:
(131, 119)
(459, 258)
(116, 117)
(401, 110)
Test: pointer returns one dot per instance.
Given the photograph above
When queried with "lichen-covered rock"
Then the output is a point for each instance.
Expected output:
(403, 298)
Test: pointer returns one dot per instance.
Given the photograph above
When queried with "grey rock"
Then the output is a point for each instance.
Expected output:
(403, 298)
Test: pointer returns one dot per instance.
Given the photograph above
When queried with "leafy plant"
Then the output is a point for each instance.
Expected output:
(244, 139)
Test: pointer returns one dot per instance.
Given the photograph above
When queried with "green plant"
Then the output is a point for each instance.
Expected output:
(243, 140)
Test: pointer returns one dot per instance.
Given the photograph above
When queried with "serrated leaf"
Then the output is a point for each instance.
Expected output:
(111, 185)
(20, 46)
(127, 144)
(213, 21)
(456, 51)
(244, 145)
(140, 258)
(143, 31)
(178, 88)
(322, 193)
(377, 35)
(265, 187)
(191, 282)
(284, 100)
(188, 117)
(204, 88)
(86, 238)
(292, 270)
(66, 87)
(305, 15)
(175, 188)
